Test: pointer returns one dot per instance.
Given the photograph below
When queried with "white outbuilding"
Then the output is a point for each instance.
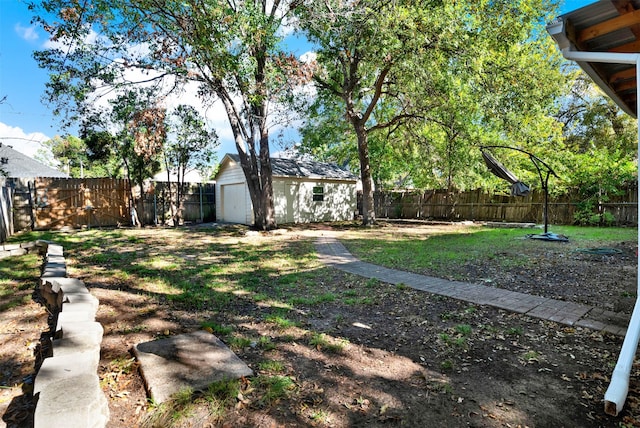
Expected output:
(303, 191)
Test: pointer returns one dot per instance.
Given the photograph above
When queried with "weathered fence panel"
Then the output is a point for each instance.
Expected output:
(198, 206)
(481, 206)
(73, 202)
(6, 209)
(54, 203)
(23, 209)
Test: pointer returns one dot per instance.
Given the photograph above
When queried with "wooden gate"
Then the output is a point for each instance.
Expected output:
(73, 202)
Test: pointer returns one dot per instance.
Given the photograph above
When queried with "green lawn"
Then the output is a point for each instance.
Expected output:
(443, 252)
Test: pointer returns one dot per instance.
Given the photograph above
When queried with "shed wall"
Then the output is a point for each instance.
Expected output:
(294, 201)
(229, 176)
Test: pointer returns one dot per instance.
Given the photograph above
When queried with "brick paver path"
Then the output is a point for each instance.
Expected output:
(333, 253)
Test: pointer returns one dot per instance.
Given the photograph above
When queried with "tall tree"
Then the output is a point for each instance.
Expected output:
(189, 146)
(601, 154)
(132, 128)
(69, 154)
(230, 49)
(367, 51)
(489, 76)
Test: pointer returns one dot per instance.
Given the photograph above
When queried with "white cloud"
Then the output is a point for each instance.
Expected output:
(68, 44)
(28, 144)
(308, 57)
(26, 33)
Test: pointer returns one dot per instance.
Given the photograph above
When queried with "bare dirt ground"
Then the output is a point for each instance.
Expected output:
(402, 358)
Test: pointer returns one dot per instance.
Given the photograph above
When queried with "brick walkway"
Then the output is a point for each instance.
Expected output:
(334, 254)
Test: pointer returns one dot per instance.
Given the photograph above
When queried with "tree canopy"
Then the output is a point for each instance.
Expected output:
(406, 91)
(229, 50)
(409, 91)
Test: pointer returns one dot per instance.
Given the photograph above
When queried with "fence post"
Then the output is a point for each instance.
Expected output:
(201, 208)
(155, 203)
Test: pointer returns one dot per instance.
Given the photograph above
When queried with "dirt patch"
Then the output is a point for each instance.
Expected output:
(377, 355)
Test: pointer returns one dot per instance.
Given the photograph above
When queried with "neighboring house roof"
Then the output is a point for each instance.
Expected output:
(591, 34)
(14, 164)
(283, 167)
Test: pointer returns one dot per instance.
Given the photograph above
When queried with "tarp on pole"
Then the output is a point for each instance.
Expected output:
(518, 188)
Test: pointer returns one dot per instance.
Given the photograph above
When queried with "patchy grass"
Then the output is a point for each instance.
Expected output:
(18, 276)
(443, 254)
(329, 348)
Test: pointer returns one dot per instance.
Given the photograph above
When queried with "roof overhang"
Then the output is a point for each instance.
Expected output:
(604, 39)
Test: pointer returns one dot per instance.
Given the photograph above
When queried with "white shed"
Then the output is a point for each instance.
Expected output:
(303, 192)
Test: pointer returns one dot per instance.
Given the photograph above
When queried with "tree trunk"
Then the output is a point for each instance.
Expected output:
(268, 222)
(173, 211)
(256, 166)
(368, 211)
(181, 191)
(261, 192)
(135, 220)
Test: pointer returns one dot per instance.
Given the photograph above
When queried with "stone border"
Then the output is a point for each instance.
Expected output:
(9, 250)
(67, 386)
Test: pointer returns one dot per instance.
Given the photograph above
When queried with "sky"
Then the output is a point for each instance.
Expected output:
(25, 120)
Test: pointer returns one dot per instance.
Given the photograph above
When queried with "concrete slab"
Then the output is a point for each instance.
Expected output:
(66, 318)
(55, 250)
(54, 269)
(88, 331)
(80, 298)
(192, 360)
(82, 405)
(80, 307)
(56, 369)
(67, 285)
(75, 345)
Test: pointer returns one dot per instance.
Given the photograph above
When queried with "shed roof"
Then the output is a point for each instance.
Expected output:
(14, 164)
(611, 26)
(283, 167)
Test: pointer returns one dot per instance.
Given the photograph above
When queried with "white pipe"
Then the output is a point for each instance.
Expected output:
(608, 57)
(616, 394)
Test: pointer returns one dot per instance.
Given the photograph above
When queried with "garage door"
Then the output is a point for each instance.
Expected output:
(234, 203)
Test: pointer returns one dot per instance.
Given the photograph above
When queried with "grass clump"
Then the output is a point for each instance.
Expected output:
(280, 321)
(215, 328)
(266, 343)
(18, 275)
(274, 388)
(446, 365)
(238, 343)
(172, 412)
(220, 396)
(271, 366)
(321, 342)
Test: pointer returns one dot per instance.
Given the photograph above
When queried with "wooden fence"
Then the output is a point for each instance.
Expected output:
(70, 202)
(54, 203)
(6, 209)
(199, 204)
(481, 206)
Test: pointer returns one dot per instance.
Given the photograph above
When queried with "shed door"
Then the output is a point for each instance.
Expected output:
(234, 203)
(291, 194)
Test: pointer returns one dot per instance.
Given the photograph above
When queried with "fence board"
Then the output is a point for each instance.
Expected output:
(198, 205)
(481, 206)
(72, 202)
(6, 209)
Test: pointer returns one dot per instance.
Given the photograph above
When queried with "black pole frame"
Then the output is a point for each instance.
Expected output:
(544, 181)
